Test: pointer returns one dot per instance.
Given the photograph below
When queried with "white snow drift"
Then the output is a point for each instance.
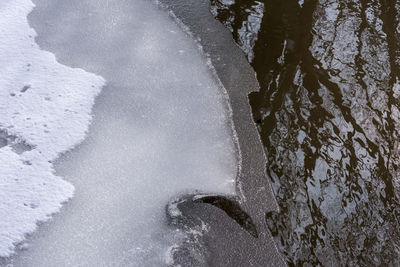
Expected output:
(44, 110)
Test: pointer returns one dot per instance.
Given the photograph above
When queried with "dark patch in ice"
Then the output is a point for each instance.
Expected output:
(228, 204)
(3, 142)
(18, 146)
(6, 139)
(25, 88)
(21, 147)
(232, 208)
(27, 162)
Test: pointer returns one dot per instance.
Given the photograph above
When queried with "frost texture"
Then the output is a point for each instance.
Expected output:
(161, 129)
(44, 110)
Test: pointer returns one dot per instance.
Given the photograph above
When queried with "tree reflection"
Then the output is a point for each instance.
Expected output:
(328, 115)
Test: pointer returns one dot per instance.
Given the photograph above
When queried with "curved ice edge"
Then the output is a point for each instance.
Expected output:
(252, 202)
(225, 95)
(229, 204)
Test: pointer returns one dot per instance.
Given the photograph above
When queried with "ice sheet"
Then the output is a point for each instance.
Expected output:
(161, 128)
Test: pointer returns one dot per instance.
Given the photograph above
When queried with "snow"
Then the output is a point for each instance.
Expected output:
(44, 110)
(161, 128)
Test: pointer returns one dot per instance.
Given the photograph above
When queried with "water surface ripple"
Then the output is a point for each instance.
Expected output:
(328, 115)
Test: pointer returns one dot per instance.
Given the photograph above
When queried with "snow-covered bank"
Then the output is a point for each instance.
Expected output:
(161, 128)
(44, 110)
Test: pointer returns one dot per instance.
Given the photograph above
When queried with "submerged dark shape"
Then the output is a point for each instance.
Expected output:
(328, 113)
(228, 204)
(232, 209)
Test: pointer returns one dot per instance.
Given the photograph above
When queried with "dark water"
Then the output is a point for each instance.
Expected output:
(328, 113)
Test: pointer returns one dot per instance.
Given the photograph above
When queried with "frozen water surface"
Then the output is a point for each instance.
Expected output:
(161, 128)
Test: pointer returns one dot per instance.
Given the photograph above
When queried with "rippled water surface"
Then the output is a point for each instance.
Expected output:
(328, 114)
